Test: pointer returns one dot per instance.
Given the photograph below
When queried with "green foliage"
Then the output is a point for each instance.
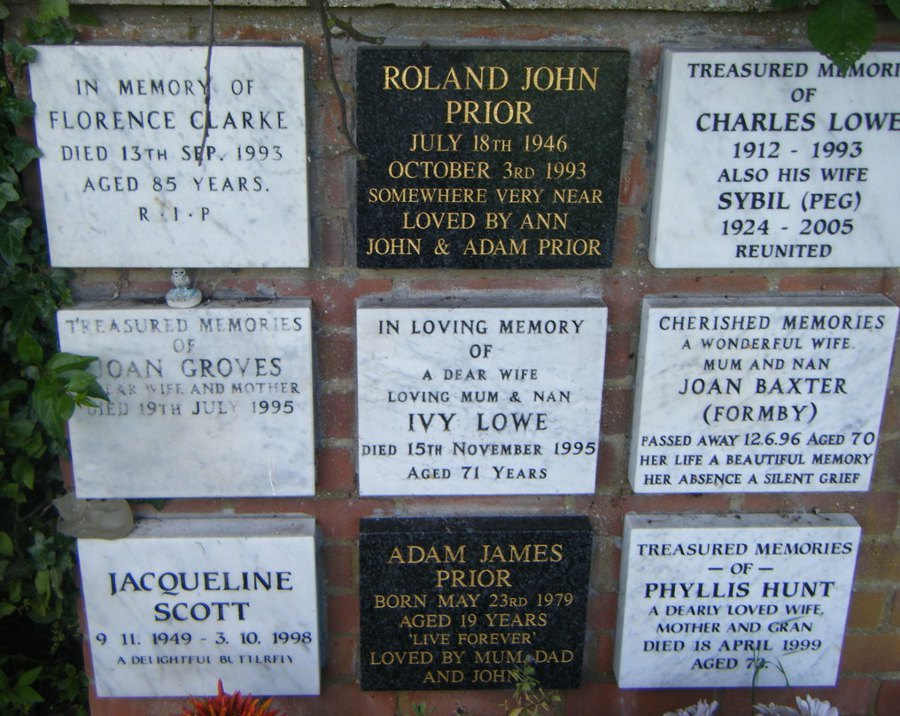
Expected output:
(529, 697)
(842, 30)
(40, 650)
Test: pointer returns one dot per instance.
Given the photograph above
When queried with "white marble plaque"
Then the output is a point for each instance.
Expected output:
(761, 394)
(213, 401)
(773, 159)
(479, 401)
(183, 602)
(711, 600)
(127, 177)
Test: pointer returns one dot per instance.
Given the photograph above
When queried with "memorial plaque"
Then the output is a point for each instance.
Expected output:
(488, 158)
(128, 178)
(762, 395)
(776, 159)
(467, 603)
(479, 401)
(214, 401)
(733, 600)
(183, 602)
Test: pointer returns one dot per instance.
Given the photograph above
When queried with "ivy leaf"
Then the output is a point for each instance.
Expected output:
(4, 12)
(17, 110)
(29, 350)
(45, 400)
(19, 53)
(12, 388)
(18, 432)
(8, 193)
(6, 609)
(843, 30)
(60, 362)
(27, 696)
(28, 677)
(52, 9)
(6, 545)
(21, 153)
(11, 247)
(894, 5)
(23, 471)
(42, 584)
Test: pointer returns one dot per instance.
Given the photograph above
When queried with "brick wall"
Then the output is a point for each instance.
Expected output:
(870, 668)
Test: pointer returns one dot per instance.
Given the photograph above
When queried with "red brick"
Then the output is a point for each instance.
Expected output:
(337, 415)
(727, 283)
(457, 703)
(343, 614)
(148, 288)
(890, 423)
(878, 561)
(619, 355)
(196, 505)
(334, 470)
(623, 299)
(137, 707)
(336, 356)
(456, 284)
(342, 699)
(609, 512)
(329, 185)
(334, 302)
(832, 282)
(624, 244)
(633, 189)
(340, 661)
(866, 609)
(616, 411)
(331, 239)
(601, 612)
(325, 124)
(594, 699)
(612, 465)
(888, 703)
(339, 518)
(599, 653)
(887, 465)
(875, 513)
(605, 567)
(649, 62)
(339, 565)
(871, 653)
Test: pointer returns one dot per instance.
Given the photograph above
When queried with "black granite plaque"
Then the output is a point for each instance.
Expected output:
(484, 158)
(466, 603)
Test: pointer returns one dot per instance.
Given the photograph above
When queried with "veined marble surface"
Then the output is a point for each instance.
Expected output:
(772, 159)
(183, 602)
(213, 401)
(479, 401)
(707, 600)
(121, 131)
(759, 394)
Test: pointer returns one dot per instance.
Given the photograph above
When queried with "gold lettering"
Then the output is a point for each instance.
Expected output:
(488, 112)
(496, 247)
